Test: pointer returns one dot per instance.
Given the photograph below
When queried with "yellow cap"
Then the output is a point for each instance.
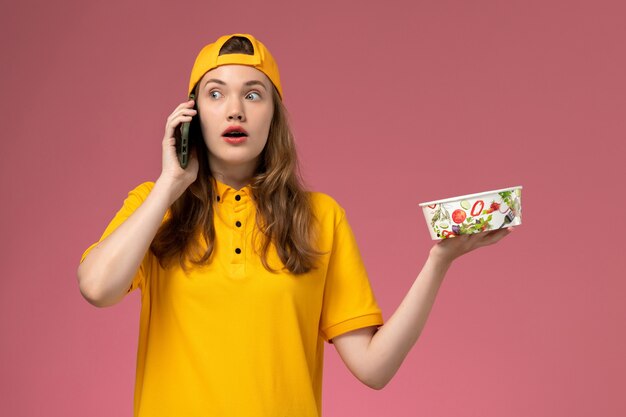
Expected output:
(209, 58)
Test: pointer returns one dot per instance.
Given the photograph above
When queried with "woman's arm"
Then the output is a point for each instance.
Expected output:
(373, 356)
(107, 272)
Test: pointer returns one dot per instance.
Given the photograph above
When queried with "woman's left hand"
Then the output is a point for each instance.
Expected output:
(447, 250)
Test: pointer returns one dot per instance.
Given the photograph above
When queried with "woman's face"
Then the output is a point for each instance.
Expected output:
(235, 95)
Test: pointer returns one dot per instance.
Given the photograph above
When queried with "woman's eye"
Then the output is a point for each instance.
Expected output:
(216, 94)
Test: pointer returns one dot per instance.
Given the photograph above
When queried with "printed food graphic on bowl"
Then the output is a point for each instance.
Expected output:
(474, 213)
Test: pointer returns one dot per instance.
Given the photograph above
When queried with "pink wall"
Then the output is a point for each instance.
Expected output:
(392, 104)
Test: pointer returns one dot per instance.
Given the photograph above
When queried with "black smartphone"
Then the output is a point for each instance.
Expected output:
(182, 139)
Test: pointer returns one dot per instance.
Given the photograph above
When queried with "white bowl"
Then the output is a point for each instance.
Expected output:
(473, 213)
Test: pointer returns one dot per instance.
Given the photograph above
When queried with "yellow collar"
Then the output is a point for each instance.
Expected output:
(223, 190)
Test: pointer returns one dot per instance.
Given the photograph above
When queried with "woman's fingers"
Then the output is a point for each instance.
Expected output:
(181, 114)
(177, 117)
(494, 236)
(457, 246)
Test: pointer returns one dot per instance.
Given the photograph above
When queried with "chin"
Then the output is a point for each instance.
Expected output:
(234, 160)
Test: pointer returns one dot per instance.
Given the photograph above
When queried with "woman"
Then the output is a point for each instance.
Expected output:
(243, 273)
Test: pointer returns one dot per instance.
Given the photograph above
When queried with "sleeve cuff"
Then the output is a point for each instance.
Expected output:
(374, 319)
(82, 258)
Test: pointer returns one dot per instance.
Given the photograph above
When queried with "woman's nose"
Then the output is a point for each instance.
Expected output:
(236, 111)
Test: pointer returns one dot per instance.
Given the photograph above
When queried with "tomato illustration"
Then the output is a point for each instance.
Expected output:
(458, 216)
(477, 208)
(493, 207)
(447, 233)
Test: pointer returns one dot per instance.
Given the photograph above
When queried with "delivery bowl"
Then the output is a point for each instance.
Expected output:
(473, 213)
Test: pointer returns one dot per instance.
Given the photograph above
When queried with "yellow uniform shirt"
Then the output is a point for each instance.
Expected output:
(233, 339)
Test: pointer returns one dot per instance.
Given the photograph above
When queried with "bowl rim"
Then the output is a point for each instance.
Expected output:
(468, 196)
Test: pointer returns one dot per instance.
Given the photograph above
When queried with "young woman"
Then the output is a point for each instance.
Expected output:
(244, 274)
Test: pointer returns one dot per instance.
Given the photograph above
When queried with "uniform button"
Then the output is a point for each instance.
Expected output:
(237, 251)
(237, 197)
(238, 224)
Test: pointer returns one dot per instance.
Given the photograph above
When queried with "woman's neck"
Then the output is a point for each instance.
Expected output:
(233, 178)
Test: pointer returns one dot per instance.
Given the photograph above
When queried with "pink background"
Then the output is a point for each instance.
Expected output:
(392, 104)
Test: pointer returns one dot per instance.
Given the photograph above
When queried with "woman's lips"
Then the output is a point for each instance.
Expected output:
(235, 140)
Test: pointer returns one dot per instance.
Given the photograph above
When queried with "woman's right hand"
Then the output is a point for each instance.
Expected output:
(177, 178)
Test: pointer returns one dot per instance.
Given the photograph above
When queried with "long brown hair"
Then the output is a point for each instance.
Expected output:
(283, 210)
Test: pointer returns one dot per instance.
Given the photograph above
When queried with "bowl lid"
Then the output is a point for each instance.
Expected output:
(468, 196)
